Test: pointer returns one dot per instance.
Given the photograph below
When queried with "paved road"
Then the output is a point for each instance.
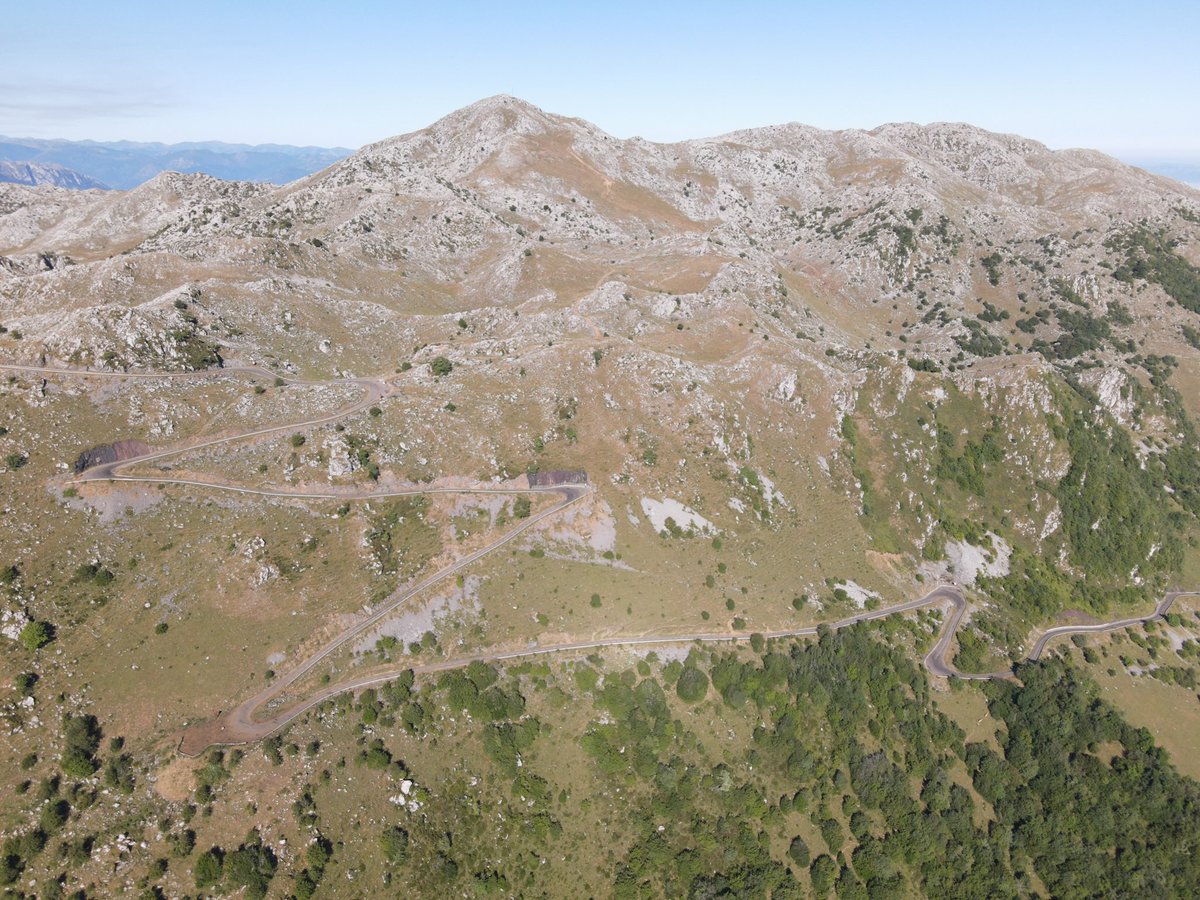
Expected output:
(1160, 612)
(240, 725)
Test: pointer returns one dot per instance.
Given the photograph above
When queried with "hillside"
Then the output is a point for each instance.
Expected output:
(810, 376)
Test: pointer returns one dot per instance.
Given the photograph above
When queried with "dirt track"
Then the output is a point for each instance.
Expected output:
(240, 725)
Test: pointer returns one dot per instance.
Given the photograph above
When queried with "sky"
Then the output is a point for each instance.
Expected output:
(1120, 77)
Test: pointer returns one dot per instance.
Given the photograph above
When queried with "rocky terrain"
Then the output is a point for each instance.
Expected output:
(807, 372)
(779, 272)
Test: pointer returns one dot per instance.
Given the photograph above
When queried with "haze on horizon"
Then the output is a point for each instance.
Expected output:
(1102, 75)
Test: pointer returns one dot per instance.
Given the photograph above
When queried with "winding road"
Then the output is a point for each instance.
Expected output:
(263, 714)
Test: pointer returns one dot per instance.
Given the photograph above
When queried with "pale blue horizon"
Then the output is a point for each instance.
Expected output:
(1100, 75)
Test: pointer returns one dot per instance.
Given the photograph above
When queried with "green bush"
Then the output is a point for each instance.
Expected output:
(35, 635)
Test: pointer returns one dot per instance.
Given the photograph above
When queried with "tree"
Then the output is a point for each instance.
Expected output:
(81, 737)
(35, 635)
(394, 844)
(440, 366)
(823, 872)
(692, 685)
(521, 507)
(251, 866)
(798, 851)
(209, 868)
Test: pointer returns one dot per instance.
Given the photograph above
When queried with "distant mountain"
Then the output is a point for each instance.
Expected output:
(1185, 170)
(46, 173)
(125, 164)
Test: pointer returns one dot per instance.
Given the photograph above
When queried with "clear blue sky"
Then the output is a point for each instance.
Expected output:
(1119, 76)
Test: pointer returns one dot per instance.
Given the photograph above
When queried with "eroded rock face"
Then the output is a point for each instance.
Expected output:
(557, 477)
(109, 453)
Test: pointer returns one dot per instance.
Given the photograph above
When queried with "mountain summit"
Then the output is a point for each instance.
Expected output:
(787, 261)
(776, 384)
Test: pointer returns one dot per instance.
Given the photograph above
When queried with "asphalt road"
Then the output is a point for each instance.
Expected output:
(239, 725)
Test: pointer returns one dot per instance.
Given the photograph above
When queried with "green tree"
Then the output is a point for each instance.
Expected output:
(394, 844)
(692, 685)
(798, 851)
(823, 872)
(440, 366)
(209, 868)
(251, 866)
(81, 738)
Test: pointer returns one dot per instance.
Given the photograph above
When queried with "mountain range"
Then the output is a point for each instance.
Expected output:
(753, 296)
(122, 165)
(793, 377)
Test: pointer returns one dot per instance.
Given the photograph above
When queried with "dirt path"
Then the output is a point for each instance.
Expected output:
(241, 725)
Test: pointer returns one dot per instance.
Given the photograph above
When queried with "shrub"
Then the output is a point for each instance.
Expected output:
(25, 681)
(35, 635)
(440, 366)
